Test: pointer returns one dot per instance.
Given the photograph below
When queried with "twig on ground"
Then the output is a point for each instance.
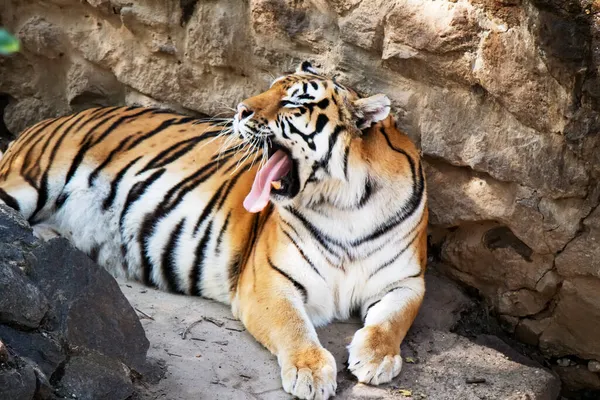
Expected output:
(475, 380)
(189, 327)
(144, 314)
(215, 321)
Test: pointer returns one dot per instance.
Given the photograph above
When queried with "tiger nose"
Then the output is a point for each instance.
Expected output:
(243, 111)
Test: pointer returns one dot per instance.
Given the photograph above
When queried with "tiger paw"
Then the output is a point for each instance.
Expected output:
(309, 374)
(374, 356)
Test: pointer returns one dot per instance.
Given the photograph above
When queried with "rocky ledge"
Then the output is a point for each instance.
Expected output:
(67, 331)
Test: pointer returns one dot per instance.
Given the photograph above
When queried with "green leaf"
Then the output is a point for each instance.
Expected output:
(8, 43)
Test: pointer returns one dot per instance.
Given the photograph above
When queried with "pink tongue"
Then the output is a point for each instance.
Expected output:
(276, 167)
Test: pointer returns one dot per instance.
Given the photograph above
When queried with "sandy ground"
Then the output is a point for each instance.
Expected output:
(217, 358)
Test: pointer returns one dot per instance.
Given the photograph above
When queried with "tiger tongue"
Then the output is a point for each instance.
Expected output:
(276, 167)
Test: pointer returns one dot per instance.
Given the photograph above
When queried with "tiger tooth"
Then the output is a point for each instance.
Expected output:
(276, 185)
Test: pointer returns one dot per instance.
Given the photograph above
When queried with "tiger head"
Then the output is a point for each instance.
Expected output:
(304, 123)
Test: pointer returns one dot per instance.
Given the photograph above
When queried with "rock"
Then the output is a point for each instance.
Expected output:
(95, 377)
(14, 287)
(575, 316)
(582, 255)
(42, 348)
(511, 69)
(64, 323)
(442, 305)
(578, 377)
(3, 353)
(89, 85)
(594, 366)
(544, 224)
(17, 381)
(42, 38)
(493, 255)
(75, 287)
(501, 146)
(529, 330)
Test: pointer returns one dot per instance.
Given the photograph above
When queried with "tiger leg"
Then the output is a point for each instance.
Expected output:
(272, 309)
(374, 353)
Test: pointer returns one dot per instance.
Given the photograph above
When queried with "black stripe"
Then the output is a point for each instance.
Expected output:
(386, 293)
(161, 127)
(168, 259)
(89, 142)
(137, 191)
(172, 153)
(324, 162)
(346, 154)
(44, 191)
(221, 233)
(302, 253)
(209, 206)
(395, 257)
(322, 120)
(230, 186)
(367, 194)
(371, 305)
(129, 143)
(322, 238)
(404, 213)
(296, 284)
(235, 267)
(197, 272)
(9, 200)
(411, 205)
(114, 185)
(170, 201)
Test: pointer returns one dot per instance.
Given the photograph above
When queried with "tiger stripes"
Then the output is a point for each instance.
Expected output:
(307, 205)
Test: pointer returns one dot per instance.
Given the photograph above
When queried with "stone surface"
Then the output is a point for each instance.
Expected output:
(97, 377)
(17, 381)
(575, 308)
(75, 286)
(15, 286)
(502, 97)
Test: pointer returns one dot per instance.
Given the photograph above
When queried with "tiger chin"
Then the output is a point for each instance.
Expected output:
(305, 207)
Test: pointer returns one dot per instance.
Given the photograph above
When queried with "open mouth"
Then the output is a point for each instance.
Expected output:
(279, 176)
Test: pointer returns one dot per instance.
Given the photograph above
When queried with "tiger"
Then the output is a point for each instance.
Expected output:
(307, 205)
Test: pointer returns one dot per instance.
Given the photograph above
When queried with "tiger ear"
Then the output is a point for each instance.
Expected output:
(306, 68)
(371, 110)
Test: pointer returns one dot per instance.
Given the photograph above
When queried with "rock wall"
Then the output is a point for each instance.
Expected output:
(501, 96)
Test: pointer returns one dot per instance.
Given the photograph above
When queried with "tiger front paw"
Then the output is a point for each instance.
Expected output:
(374, 356)
(309, 374)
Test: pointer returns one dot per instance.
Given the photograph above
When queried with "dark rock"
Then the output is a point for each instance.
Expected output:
(95, 377)
(21, 302)
(14, 230)
(65, 327)
(88, 308)
(17, 381)
(40, 348)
